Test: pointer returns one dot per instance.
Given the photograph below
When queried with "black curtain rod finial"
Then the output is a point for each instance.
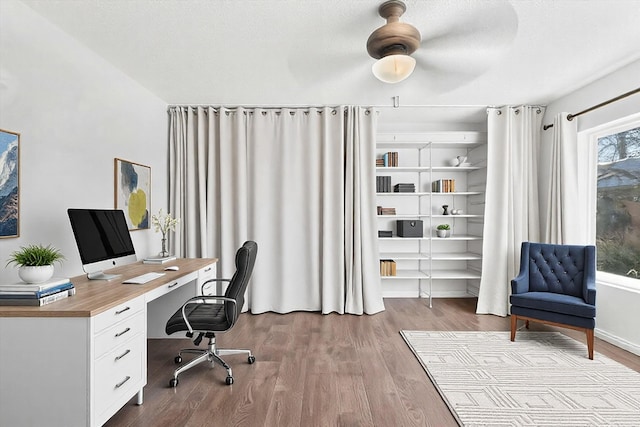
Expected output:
(570, 117)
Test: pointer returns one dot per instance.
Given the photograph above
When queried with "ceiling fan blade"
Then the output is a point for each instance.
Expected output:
(460, 45)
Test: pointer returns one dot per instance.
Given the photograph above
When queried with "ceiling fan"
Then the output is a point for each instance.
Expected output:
(393, 43)
(460, 42)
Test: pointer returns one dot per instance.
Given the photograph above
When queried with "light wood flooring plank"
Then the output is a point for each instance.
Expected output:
(317, 370)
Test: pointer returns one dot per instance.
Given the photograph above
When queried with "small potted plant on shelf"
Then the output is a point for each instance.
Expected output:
(442, 230)
(35, 262)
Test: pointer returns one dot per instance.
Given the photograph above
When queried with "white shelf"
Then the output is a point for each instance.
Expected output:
(408, 274)
(454, 274)
(457, 193)
(401, 239)
(427, 168)
(404, 216)
(402, 169)
(432, 139)
(457, 237)
(455, 256)
(394, 193)
(457, 216)
(455, 168)
(401, 256)
(401, 145)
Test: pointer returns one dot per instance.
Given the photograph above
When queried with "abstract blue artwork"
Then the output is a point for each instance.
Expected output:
(133, 192)
(9, 184)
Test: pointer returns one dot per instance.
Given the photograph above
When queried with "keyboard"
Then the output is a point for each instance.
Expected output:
(143, 278)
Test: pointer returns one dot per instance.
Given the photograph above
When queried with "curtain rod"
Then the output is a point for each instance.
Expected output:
(264, 107)
(330, 106)
(602, 104)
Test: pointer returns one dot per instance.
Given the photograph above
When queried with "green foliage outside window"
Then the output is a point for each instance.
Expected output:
(618, 210)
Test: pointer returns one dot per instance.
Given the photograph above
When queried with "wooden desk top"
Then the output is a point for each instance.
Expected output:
(95, 296)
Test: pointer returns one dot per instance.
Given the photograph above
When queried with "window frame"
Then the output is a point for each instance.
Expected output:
(589, 138)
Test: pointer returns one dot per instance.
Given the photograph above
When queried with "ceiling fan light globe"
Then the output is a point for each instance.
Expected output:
(393, 68)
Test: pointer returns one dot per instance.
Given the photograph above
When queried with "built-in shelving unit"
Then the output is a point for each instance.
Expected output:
(431, 266)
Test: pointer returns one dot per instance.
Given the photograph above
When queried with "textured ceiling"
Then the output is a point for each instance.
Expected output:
(474, 52)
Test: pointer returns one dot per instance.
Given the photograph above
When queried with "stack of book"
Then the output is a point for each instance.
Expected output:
(444, 186)
(36, 294)
(386, 211)
(158, 260)
(390, 159)
(404, 188)
(387, 267)
(380, 162)
(383, 184)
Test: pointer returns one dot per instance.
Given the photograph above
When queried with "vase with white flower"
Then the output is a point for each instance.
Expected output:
(164, 223)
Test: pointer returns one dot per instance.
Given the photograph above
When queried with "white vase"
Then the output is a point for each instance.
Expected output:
(35, 274)
(442, 233)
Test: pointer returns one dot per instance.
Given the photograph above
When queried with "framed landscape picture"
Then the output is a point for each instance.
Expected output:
(9, 184)
(133, 192)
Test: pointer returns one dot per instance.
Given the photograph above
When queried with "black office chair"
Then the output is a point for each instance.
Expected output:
(209, 314)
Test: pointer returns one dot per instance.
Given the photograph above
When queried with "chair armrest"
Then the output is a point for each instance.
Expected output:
(520, 284)
(212, 280)
(589, 288)
(205, 299)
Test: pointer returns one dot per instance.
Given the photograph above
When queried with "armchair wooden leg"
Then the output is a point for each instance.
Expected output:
(590, 340)
(514, 324)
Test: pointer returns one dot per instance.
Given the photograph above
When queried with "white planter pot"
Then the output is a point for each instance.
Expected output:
(37, 274)
(442, 233)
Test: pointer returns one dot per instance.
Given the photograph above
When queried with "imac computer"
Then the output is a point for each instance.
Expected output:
(103, 240)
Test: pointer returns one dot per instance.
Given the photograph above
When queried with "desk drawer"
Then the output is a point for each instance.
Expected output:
(117, 334)
(207, 273)
(118, 313)
(170, 286)
(118, 373)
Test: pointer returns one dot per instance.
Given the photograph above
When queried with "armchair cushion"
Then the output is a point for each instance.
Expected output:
(557, 303)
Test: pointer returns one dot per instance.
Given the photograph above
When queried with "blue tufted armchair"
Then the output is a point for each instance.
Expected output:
(556, 285)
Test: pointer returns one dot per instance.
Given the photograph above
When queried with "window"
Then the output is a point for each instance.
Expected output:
(618, 200)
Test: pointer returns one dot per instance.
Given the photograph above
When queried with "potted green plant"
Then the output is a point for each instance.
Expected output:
(35, 262)
(442, 230)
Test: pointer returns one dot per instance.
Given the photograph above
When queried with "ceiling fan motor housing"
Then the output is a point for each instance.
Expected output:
(394, 37)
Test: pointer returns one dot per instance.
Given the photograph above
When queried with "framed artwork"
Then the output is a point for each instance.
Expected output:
(9, 184)
(133, 192)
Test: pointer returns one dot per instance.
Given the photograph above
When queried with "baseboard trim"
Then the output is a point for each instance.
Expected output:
(617, 341)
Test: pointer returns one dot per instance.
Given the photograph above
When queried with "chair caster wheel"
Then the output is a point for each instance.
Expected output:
(251, 360)
(178, 360)
(229, 380)
(173, 383)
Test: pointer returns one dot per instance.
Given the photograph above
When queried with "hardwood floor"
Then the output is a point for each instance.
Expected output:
(315, 370)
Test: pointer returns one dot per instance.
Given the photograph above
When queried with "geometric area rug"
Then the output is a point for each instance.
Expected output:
(541, 379)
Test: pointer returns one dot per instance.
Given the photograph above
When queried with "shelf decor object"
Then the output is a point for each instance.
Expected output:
(10, 189)
(133, 192)
(164, 223)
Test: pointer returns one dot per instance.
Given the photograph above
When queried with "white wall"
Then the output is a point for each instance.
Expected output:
(616, 307)
(75, 113)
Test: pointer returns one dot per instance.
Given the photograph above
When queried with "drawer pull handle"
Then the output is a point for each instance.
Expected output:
(123, 310)
(121, 383)
(123, 355)
(208, 269)
(173, 284)
(119, 334)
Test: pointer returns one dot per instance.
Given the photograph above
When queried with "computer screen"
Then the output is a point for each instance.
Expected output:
(103, 240)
